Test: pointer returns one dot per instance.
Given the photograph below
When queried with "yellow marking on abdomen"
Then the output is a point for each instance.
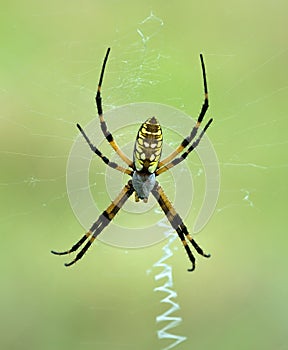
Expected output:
(148, 146)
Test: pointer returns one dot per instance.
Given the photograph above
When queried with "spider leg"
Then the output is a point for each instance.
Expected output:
(177, 223)
(103, 124)
(185, 154)
(193, 133)
(99, 154)
(99, 225)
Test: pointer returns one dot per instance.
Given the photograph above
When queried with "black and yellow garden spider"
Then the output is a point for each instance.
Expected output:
(144, 168)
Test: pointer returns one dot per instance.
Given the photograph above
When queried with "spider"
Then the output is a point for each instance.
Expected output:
(145, 167)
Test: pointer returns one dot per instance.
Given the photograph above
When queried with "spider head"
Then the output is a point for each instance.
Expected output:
(143, 185)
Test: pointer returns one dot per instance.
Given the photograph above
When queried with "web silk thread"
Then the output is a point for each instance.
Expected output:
(167, 316)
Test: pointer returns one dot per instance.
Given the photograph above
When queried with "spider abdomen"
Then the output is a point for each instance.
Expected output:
(148, 146)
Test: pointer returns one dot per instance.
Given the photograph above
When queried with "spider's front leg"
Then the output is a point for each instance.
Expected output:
(94, 149)
(104, 128)
(99, 225)
(195, 129)
(177, 223)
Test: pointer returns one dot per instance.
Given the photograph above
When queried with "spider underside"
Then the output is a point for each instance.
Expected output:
(145, 167)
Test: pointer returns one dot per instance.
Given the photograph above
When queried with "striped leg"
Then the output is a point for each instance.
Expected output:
(99, 154)
(177, 223)
(185, 154)
(103, 124)
(193, 133)
(99, 225)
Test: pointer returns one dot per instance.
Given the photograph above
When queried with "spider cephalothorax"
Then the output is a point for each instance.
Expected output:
(146, 165)
(143, 184)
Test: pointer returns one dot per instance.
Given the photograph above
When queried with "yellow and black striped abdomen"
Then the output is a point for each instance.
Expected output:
(148, 146)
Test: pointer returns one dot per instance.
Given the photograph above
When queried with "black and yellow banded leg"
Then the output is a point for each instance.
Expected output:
(99, 154)
(103, 124)
(99, 225)
(177, 223)
(75, 246)
(193, 133)
(184, 155)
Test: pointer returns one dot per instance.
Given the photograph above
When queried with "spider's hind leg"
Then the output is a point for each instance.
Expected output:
(198, 249)
(177, 223)
(75, 246)
(103, 220)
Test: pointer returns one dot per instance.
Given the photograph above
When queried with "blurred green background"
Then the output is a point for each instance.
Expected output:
(51, 53)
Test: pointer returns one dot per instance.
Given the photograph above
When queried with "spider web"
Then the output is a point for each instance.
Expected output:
(130, 83)
(249, 141)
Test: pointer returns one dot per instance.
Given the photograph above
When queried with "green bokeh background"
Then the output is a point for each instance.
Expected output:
(51, 53)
